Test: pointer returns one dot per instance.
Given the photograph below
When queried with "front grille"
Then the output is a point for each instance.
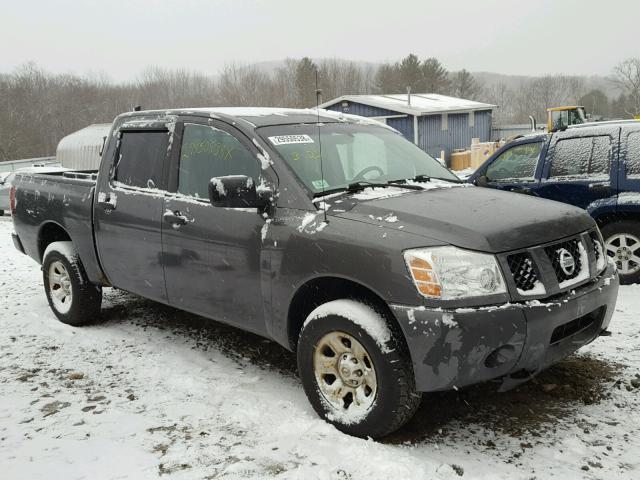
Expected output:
(523, 271)
(554, 268)
(557, 255)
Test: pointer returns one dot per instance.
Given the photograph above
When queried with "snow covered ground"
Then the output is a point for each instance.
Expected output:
(150, 392)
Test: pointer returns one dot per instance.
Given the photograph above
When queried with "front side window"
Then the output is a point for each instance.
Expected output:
(209, 152)
(633, 155)
(350, 153)
(516, 164)
(582, 156)
(140, 158)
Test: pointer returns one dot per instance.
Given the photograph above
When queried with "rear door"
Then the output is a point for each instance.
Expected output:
(581, 168)
(515, 168)
(128, 211)
(629, 175)
(213, 262)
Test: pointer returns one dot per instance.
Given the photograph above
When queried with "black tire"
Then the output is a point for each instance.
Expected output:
(627, 227)
(396, 399)
(1, 213)
(83, 306)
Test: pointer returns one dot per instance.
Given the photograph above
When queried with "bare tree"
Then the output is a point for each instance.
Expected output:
(538, 94)
(502, 96)
(627, 77)
(595, 102)
(243, 86)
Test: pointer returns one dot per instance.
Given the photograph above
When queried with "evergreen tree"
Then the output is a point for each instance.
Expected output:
(435, 77)
(305, 81)
(465, 86)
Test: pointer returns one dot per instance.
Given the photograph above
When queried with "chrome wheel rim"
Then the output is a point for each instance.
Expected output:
(345, 373)
(60, 287)
(624, 250)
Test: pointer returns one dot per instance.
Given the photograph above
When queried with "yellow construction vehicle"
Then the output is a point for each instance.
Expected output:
(559, 118)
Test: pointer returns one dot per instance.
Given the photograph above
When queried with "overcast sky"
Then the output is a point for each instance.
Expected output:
(120, 38)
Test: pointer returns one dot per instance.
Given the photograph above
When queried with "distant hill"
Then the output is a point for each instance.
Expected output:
(592, 82)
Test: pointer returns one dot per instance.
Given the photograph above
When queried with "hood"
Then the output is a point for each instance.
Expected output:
(474, 218)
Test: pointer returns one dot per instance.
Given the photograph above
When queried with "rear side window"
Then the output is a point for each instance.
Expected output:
(583, 156)
(208, 152)
(516, 164)
(141, 158)
(633, 155)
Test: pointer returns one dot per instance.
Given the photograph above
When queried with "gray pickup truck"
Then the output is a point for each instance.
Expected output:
(333, 236)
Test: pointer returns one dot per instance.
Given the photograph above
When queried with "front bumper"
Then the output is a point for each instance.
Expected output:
(457, 347)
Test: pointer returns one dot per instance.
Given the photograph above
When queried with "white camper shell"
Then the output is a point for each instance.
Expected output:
(81, 150)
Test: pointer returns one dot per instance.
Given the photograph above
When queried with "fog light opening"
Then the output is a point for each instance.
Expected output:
(500, 356)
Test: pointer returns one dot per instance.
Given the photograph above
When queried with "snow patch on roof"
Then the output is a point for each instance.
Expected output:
(421, 103)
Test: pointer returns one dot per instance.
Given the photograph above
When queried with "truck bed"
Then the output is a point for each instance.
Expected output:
(47, 201)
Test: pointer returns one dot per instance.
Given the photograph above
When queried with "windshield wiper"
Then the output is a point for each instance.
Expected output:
(361, 185)
(417, 178)
(424, 178)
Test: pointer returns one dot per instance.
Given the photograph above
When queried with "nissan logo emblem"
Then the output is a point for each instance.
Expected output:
(567, 262)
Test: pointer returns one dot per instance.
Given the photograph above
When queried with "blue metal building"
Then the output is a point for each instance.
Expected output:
(433, 122)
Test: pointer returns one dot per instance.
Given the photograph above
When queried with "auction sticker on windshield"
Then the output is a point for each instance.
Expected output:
(289, 139)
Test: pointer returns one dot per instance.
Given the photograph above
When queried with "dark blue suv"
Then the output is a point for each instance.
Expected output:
(592, 166)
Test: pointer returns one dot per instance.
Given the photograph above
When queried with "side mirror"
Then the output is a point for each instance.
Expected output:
(233, 191)
(481, 181)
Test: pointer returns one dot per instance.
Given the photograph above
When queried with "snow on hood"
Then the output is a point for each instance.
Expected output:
(474, 218)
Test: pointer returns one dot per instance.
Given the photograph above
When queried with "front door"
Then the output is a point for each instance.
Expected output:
(213, 261)
(581, 169)
(128, 213)
(514, 169)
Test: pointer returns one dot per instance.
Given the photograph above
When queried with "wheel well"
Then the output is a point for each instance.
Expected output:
(322, 290)
(607, 218)
(49, 233)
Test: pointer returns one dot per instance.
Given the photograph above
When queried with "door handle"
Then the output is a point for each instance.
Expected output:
(174, 218)
(599, 187)
(107, 205)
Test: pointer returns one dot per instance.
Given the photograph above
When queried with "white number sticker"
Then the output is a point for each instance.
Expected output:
(289, 139)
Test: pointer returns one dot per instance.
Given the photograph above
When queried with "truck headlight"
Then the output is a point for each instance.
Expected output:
(450, 273)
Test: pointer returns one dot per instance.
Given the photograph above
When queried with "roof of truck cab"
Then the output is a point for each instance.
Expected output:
(262, 116)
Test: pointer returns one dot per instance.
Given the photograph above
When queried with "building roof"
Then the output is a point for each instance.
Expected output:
(421, 103)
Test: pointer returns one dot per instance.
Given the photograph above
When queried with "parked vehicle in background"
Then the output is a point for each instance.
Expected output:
(559, 118)
(332, 235)
(6, 180)
(592, 166)
(4, 192)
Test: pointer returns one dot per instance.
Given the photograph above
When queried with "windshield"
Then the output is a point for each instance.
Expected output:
(350, 153)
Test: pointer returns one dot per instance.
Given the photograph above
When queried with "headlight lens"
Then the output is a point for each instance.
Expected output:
(450, 273)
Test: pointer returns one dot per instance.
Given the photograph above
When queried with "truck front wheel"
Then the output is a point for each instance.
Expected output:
(72, 298)
(355, 370)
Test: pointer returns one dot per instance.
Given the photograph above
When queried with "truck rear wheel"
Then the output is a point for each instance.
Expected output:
(355, 370)
(622, 245)
(72, 298)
